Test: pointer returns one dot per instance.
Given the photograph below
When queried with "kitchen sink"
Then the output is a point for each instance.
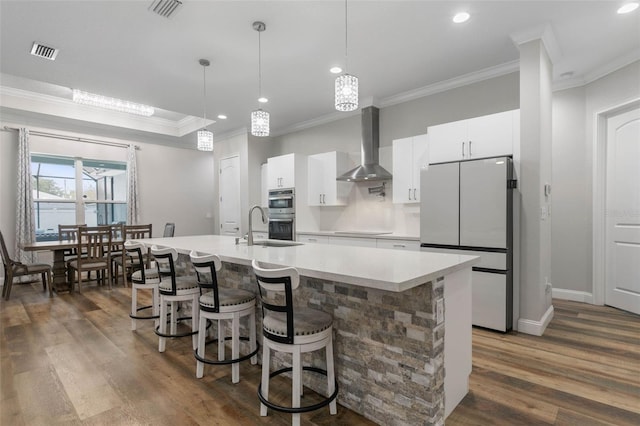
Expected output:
(272, 243)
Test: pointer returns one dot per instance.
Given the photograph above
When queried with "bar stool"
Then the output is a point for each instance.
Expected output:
(142, 279)
(295, 330)
(219, 304)
(174, 289)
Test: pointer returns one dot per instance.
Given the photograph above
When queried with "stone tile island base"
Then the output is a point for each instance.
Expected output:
(389, 349)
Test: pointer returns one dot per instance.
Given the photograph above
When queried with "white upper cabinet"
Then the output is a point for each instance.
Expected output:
(323, 188)
(409, 156)
(281, 172)
(480, 137)
(264, 191)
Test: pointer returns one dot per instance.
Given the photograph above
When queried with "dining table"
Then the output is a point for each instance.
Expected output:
(60, 282)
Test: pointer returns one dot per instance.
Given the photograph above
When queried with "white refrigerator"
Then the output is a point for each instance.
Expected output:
(467, 207)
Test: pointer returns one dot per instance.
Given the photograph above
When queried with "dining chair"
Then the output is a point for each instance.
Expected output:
(142, 278)
(13, 269)
(222, 305)
(174, 289)
(295, 330)
(96, 241)
(123, 261)
(169, 230)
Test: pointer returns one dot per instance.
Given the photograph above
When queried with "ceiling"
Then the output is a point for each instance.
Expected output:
(398, 49)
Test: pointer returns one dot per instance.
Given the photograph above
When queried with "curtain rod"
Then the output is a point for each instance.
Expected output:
(74, 138)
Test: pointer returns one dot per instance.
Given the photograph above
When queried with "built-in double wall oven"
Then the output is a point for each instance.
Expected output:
(282, 214)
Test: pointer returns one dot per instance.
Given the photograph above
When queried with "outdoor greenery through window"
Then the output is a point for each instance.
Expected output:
(73, 190)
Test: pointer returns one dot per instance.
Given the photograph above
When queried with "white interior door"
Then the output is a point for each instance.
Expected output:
(230, 196)
(622, 287)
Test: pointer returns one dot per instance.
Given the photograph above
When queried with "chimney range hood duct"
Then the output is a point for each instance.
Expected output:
(369, 170)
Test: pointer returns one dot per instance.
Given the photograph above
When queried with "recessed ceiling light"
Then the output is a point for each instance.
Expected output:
(222, 116)
(629, 7)
(461, 17)
(335, 70)
(263, 100)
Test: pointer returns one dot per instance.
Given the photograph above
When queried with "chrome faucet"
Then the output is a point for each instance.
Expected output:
(264, 220)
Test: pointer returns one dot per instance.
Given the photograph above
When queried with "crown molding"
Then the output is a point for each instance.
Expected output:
(612, 66)
(545, 34)
(452, 83)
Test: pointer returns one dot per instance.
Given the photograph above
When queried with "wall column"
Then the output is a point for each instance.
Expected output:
(535, 175)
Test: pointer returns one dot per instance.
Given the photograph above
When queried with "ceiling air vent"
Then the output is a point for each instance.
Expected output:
(165, 8)
(42, 51)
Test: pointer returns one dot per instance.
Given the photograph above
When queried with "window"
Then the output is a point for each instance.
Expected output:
(67, 191)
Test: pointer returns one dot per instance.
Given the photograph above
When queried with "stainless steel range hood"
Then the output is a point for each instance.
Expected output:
(369, 169)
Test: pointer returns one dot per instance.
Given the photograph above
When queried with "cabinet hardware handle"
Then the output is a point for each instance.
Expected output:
(399, 245)
(470, 154)
(320, 198)
(312, 239)
(324, 200)
(414, 195)
(409, 193)
(463, 149)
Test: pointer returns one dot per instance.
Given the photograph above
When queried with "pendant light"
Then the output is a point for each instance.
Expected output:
(346, 85)
(259, 117)
(205, 137)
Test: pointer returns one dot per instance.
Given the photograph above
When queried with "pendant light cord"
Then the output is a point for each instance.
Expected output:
(259, 65)
(204, 90)
(346, 43)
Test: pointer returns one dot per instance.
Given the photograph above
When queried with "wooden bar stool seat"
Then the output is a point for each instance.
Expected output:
(295, 330)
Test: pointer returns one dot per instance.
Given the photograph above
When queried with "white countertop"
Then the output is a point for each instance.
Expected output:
(385, 269)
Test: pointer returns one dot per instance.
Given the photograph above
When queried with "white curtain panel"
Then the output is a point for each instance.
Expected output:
(132, 196)
(25, 218)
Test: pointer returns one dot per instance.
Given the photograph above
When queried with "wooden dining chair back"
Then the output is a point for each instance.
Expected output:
(123, 262)
(69, 233)
(96, 241)
(13, 269)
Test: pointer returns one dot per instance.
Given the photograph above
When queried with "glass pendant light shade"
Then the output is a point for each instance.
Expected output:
(204, 136)
(260, 123)
(347, 92)
(205, 140)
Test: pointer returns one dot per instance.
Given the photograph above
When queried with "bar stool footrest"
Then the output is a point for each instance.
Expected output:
(226, 361)
(185, 334)
(142, 317)
(296, 410)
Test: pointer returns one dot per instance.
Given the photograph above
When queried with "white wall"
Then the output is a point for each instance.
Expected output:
(571, 201)
(574, 142)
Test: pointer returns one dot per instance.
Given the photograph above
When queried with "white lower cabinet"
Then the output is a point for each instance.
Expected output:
(311, 238)
(353, 241)
(398, 244)
(260, 235)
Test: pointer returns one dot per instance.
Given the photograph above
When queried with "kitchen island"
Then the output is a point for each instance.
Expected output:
(402, 320)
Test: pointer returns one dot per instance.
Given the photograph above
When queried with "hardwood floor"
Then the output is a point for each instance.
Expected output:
(73, 360)
(585, 370)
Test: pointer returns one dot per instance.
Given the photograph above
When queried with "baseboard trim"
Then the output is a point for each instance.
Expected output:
(572, 295)
(536, 328)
